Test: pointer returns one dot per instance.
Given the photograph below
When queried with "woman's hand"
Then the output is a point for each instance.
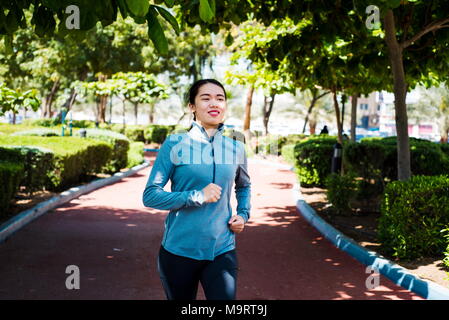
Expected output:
(212, 192)
(236, 223)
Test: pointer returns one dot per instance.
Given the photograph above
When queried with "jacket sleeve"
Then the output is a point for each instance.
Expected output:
(154, 195)
(243, 188)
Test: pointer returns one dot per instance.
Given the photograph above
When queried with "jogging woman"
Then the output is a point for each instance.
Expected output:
(198, 244)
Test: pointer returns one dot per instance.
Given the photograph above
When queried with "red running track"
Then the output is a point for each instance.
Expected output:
(114, 241)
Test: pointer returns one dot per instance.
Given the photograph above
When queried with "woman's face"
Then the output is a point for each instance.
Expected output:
(210, 105)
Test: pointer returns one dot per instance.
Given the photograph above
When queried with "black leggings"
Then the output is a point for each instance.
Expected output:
(180, 276)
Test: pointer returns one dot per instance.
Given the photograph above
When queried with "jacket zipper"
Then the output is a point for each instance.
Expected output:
(213, 159)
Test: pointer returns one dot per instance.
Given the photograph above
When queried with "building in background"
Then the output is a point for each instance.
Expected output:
(376, 117)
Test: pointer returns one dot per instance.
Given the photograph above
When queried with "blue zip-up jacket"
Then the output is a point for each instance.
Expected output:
(192, 160)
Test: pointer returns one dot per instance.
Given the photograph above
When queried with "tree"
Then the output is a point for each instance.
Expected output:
(135, 87)
(302, 53)
(259, 74)
(12, 100)
(138, 88)
(413, 31)
(50, 17)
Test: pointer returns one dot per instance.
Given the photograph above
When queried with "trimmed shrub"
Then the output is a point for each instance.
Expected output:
(116, 127)
(43, 132)
(341, 189)
(375, 161)
(56, 122)
(446, 253)
(119, 144)
(413, 213)
(135, 154)
(10, 176)
(444, 148)
(314, 160)
(157, 133)
(288, 153)
(74, 158)
(7, 128)
(296, 137)
(135, 133)
(37, 163)
(43, 122)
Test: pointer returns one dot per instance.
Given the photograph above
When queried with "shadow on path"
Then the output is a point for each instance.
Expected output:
(114, 241)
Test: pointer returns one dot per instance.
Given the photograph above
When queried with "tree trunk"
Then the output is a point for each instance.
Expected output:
(182, 117)
(136, 106)
(50, 98)
(102, 103)
(315, 98)
(312, 126)
(102, 111)
(247, 119)
(124, 113)
(444, 130)
(354, 98)
(337, 115)
(343, 104)
(71, 100)
(309, 111)
(267, 108)
(151, 116)
(110, 110)
(400, 93)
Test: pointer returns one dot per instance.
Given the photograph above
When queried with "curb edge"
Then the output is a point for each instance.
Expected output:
(397, 274)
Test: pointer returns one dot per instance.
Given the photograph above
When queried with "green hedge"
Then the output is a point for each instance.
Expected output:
(375, 161)
(119, 144)
(413, 213)
(135, 154)
(40, 132)
(288, 153)
(74, 158)
(313, 160)
(157, 133)
(37, 163)
(10, 176)
(340, 191)
(53, 122)
(43, 122)
(135, 133)
(446, 253)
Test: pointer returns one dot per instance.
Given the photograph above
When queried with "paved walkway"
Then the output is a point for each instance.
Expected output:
(114, 241)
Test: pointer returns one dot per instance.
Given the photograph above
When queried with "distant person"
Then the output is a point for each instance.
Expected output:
(198, 243)
(324, 130)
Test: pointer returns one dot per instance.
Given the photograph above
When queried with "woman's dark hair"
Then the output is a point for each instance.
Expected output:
(196, 87)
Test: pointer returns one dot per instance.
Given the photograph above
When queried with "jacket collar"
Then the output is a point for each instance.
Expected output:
(199, 129)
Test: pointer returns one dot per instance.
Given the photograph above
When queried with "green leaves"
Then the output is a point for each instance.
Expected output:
(136, 87)
(207, 10)
(12, 100)
(169, 3)
(229, 40)
(43, 20)
(155, 32)
(167, 16)
(138, 7)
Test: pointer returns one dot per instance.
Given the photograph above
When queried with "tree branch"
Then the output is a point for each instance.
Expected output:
(433, 26)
